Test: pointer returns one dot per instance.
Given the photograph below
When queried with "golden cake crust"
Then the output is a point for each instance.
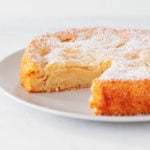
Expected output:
(121, 97)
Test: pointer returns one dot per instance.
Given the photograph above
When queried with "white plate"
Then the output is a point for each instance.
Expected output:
(73, 104)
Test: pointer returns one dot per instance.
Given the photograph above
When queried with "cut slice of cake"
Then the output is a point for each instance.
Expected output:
(115, 62)
(121, 91)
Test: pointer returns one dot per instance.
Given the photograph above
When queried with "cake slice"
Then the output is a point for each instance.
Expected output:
(121, 91)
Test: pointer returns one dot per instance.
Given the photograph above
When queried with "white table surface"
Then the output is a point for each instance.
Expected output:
(23, 128)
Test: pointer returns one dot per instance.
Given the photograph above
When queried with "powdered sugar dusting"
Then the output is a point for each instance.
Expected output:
(130, 73)
(87, 49)
(128, 50)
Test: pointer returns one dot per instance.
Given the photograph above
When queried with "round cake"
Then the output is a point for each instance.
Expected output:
(115, 63)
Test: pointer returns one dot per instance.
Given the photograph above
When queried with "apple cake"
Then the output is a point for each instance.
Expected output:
(115, 63)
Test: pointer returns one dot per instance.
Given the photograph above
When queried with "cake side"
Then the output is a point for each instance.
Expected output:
(30, 73)
(120, 97)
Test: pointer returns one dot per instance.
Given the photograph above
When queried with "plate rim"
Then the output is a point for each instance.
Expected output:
(138, 118)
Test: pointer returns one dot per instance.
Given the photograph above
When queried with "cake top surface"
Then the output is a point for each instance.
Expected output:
(126, 48)
(126, 73)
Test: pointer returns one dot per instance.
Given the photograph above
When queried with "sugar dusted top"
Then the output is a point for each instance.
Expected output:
(127, 49)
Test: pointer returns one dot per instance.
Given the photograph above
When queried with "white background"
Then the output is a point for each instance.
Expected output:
(36, 8)
(23, 128)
